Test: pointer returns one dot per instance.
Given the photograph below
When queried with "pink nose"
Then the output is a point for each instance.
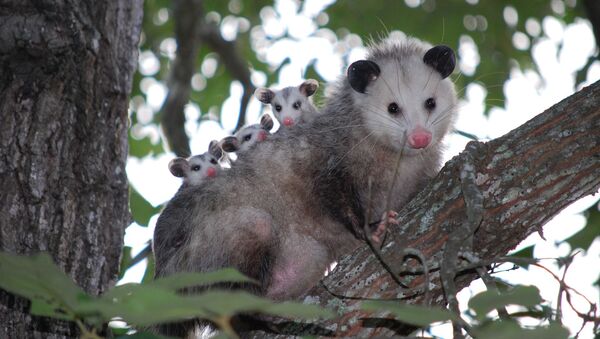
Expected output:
(288, 122)
(419, 138)
(262, 135)
(211, 172)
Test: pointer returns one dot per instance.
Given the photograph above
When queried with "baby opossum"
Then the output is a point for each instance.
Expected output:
(198, 167)
(284, 214)
(248, 136)
(291, 105)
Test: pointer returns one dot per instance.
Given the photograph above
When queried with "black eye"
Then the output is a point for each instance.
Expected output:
(278, 108)
(213, 161)
(196, 168)
(247, 137)
(297, 105)
(393, 108)
(430, 104)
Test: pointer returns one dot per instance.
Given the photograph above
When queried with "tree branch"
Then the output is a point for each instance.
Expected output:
(188, 21)
(191, 29)
(592, 8)
(234, 63)
(526, 177)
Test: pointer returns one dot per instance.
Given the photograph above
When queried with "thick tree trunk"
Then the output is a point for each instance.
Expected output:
(66, 69)
(525, 178)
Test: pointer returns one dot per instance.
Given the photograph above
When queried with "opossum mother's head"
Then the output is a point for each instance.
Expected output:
(404, 94)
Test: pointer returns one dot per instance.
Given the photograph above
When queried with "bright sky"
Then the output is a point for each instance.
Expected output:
(527, 94)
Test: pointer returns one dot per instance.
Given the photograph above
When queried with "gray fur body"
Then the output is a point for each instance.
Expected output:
(283, 214)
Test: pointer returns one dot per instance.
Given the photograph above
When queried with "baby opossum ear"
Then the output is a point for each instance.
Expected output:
(230, 144)
(309, 87)
(214, 149)
(178, 167)
(264, 95)
(361, 73)
(266, 122)
(442, 59)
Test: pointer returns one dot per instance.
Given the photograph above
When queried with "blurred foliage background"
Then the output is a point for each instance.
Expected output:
(200, 61)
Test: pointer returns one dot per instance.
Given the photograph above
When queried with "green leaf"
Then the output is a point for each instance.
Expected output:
(45, 309)
(150, 269)
(487, 301)
(37, 278)
(140, 148)
(410, 314)
(511, 330)
(188, 279)
(125, 261)
(526, 253)
(142, 335)
(584, 238)
(134, 303)
(141, 210)
(228, 303)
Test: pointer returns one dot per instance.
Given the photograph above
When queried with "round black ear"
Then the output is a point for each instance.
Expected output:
(309, 87)
(230, 144)
(214, 149)
(266, 122)
(178, 167)
(442, 59)
(264, 95)
(361, 73)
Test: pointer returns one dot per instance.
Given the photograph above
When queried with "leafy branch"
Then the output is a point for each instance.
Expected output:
(53, 294)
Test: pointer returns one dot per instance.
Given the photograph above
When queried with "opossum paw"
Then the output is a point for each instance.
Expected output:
(387, 218)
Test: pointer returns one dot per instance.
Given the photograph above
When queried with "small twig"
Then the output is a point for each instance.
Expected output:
(488, 281)
(561, 290)
(85, 334)
(143, 254)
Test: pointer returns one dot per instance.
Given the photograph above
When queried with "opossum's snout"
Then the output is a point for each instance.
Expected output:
(262, 136)
(287, 122)
(419, 138)
(211, 172)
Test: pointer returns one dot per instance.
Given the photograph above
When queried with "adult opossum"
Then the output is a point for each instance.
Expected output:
(283, 214)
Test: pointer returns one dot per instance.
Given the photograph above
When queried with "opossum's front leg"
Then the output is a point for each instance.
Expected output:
(387, 218)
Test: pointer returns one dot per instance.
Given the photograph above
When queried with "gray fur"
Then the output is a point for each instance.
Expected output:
(283, 214)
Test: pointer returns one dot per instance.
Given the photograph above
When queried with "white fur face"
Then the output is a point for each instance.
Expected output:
(249, 136)
(408, 106)
(201, 167)
(289, 105)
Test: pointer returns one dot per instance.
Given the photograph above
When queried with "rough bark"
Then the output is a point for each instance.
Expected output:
(66, 69)
(525, 177)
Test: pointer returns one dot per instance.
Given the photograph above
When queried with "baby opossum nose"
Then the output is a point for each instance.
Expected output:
(211, 172)
(419, 138)
(288, 122)
(262, 135)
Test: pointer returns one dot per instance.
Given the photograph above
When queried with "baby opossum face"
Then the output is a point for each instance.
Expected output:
(198, 167)
(407, 102)
(248, 136)
(291, 103)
